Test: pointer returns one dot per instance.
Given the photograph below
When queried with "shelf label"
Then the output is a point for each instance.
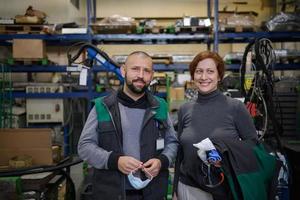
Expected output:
(83, 76)
(74, 68)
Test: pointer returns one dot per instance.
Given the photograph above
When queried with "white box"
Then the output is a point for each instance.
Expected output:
(45, 111)
(74, 31)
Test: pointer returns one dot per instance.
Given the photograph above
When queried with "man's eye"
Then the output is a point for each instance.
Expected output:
(135, 68)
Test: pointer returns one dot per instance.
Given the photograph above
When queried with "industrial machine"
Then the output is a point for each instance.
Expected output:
(45, 110)
(94, 56)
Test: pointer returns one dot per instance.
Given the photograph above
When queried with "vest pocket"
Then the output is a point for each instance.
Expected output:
(107, 138)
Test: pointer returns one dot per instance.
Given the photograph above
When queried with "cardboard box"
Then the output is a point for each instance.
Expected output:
(177, 93)
(32, 142)
(29, 49)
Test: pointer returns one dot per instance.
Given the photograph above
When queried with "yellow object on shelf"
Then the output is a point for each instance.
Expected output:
(20, 161)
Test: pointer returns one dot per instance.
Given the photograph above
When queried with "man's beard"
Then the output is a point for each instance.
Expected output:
(135, 89)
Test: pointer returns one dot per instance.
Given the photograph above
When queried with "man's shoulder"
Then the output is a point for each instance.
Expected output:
(160, 100)
(109, 98)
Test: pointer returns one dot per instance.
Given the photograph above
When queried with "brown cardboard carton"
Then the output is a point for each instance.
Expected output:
(172, 94)
(32, 142)
(176, 93)
(29, 49)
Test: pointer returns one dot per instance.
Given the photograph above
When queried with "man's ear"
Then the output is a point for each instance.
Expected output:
(123, 70)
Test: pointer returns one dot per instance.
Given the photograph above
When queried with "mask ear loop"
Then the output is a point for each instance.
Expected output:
(148, 173)
(133, 171)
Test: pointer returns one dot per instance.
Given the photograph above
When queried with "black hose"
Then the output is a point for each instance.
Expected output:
(83, 47)
(38, 169)
(243, 68)
(263, 61)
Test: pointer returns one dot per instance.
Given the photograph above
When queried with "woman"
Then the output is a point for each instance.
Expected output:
(211, 115)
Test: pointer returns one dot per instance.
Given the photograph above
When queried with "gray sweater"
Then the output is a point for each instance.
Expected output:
(131, 120)
(97, 157)
(211, 115)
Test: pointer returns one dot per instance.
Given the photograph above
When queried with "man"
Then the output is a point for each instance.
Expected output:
(129, 139)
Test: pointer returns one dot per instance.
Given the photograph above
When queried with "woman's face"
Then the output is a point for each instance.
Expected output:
(206, 76)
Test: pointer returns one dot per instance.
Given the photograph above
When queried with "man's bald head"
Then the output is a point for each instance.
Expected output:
(140, 54)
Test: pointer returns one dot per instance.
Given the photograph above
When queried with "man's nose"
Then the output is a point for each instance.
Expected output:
(141, 73)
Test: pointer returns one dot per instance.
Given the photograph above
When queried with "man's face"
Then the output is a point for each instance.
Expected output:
(138, 73)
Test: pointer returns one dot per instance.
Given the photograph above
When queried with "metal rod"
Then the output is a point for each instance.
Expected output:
(88, 14)
(94, 11)
(216, 25)
(209, 8)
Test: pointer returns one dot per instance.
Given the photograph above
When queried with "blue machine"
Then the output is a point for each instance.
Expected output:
(95, 55)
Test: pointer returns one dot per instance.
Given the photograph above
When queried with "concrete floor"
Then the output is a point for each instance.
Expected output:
(77, 177)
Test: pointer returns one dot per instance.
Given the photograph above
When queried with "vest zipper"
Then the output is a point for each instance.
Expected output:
(114, 127)
(113, 122)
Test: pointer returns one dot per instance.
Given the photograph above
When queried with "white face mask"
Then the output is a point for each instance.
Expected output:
(136, 182)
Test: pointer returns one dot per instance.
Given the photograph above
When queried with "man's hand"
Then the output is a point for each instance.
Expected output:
(127, 164)
(152, 166)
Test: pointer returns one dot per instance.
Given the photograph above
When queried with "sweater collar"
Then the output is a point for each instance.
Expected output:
(112, 98)
(202, 98)
(127, 101)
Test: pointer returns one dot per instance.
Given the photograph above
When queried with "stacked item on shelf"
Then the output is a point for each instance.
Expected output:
(107, 80)
(32, 16)
(159, 82)
(178, 90)
(190, 24)
(284, 22)
(287, 56)
(160, 58)
(233, 21)
(25, 28)
(45, 110)
(29, 49)
(40, 152)
(150, 26)
(287, 97)
(115, 24)
(233, 58)
(283, 56)
(7, 20)
(18, 117)
(31, 22)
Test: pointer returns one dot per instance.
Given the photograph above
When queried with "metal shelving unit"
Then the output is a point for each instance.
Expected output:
(5, 97)
(278, 66)
(248, 36)
(78, 94)
(245, 37)
(53, 37)
(65, 39)
(65, 68)
(151, 38)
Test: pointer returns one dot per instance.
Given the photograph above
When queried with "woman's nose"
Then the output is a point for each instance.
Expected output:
(203, 75)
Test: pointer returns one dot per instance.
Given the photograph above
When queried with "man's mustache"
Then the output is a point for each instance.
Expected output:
(139, 79)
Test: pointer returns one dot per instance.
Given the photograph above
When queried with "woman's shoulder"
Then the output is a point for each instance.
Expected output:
(234, 103)
(187, 106)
